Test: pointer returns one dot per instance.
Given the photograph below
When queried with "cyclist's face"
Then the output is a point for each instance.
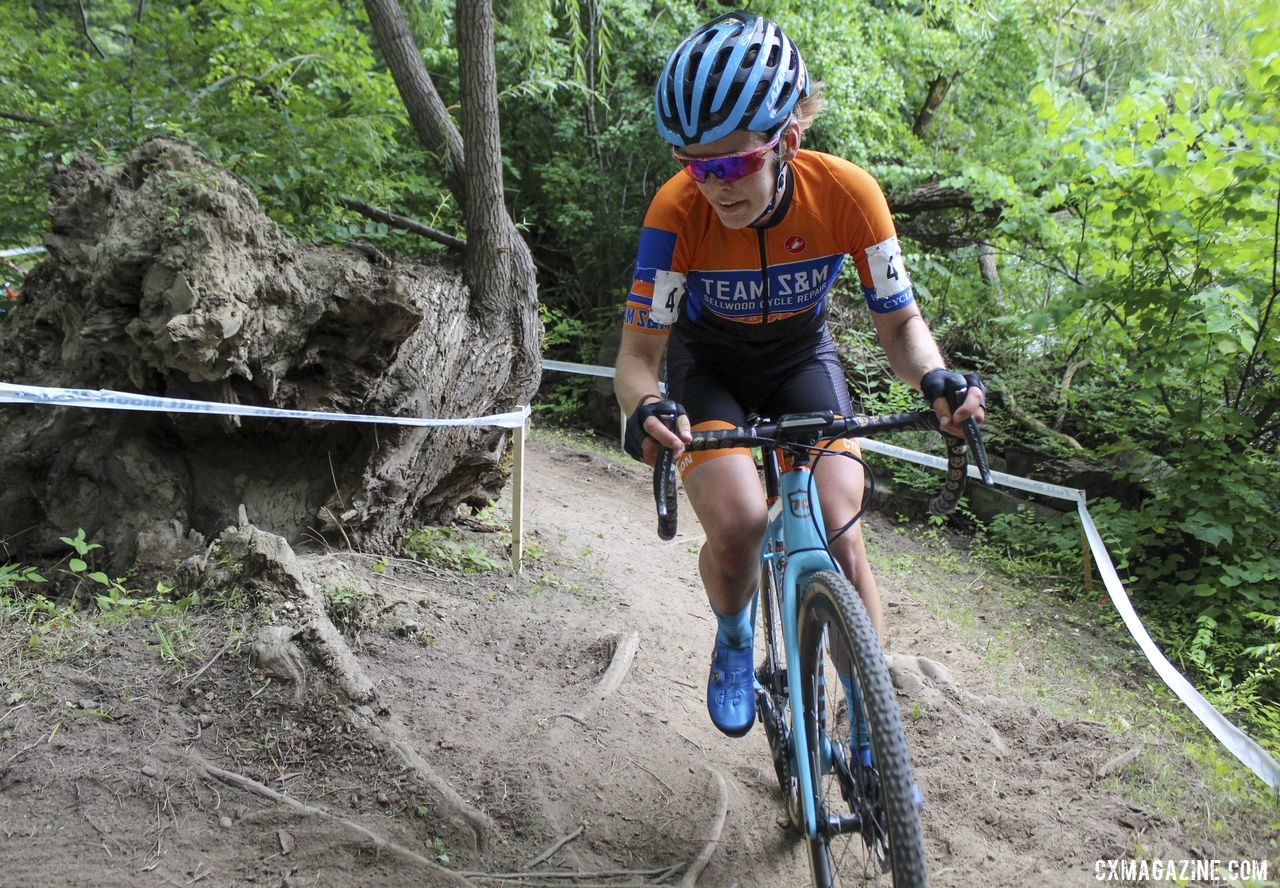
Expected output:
(739, 203)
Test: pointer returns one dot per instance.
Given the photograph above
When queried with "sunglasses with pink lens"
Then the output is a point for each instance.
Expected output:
(725, 167)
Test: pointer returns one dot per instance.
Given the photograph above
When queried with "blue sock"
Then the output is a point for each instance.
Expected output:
(736, 631)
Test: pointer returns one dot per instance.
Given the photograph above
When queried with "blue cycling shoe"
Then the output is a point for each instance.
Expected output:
(731, 697)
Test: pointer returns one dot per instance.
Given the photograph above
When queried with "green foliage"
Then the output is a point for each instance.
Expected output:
(1098, 55)
(288, 95)
(173, 639)
(61, 624)
(345, 606)
(1032, 549)
(1150, 233)
(114, 598)
(12, 576)
(444, 547)
(19, 600)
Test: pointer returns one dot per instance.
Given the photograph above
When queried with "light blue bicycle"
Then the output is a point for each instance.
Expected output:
(823, 689)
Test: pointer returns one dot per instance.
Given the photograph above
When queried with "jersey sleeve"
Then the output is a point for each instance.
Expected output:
(658, 280)
(873, 241)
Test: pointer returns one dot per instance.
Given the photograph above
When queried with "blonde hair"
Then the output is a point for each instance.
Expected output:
(808, 108)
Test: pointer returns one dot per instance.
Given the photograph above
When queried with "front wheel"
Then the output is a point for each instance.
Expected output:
(864, 796)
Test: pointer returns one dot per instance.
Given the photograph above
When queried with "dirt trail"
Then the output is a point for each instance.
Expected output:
(497, 681)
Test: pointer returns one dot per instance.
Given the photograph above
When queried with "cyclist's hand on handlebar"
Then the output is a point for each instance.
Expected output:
(649, 427)
(955, 397)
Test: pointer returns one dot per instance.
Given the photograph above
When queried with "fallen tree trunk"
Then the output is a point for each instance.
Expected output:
(166, 278)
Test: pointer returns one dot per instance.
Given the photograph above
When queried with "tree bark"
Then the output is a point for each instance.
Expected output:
(942, 216)
(499, 266)
(990, 272)
(427, 111)
(932, 102)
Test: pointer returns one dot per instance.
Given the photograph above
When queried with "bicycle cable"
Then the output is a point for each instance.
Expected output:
(818, 453)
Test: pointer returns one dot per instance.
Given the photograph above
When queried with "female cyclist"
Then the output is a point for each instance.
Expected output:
(736, 258)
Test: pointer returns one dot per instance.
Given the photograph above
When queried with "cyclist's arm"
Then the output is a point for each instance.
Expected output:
(636, 381)
(912, 352)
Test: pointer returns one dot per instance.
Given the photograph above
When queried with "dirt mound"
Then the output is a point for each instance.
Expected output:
(565, 705)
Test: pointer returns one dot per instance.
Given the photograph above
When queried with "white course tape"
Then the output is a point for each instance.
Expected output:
(584, 369)
(1236, 741)
(1254, 757)
(20, 251)
(938, 462)
(109, 400)
(1241, 746)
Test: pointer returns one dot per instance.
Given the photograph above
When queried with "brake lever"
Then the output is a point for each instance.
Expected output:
(664, 493)
(972, 436)
(974, 439)
(664, 477)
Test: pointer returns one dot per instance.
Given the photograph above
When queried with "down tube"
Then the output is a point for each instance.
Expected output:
(806, 554)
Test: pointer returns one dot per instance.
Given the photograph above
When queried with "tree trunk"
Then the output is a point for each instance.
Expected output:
(499, 266)
(933, 101)
(427, 111)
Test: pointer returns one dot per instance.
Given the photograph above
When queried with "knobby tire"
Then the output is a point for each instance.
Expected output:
(889, 849)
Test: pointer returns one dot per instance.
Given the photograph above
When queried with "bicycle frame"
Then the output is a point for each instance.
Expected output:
(794, 550)
(793, 544)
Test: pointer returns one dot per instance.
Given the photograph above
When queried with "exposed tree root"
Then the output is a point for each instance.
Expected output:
(550, 852)
(265, 564)
(699, 863)
(1031, 422)
(274, 652)
(446, 877)
(466, 819)
(624, 652)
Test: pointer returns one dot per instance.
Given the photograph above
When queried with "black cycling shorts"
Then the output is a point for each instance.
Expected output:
(716, 384)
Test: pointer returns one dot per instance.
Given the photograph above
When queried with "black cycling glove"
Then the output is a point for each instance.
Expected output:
(633, 441)
(953, 386)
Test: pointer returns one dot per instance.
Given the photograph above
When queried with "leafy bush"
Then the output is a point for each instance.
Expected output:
(1159, 216)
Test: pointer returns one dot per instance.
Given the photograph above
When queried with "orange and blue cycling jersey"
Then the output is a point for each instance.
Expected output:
(765, 286)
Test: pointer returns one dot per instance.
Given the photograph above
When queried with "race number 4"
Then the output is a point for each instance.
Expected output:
(888, 273)
(668, 289)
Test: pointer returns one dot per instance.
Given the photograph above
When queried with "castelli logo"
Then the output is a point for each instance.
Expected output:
(794, 244)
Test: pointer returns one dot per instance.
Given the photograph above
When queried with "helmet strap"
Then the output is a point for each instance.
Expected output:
(777, 191)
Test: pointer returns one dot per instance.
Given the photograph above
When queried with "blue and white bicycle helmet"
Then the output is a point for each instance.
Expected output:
(736, 72)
